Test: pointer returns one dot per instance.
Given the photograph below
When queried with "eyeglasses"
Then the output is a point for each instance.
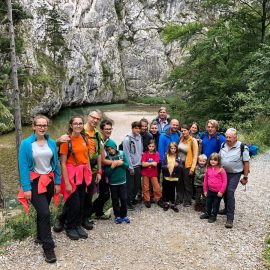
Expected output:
(107, 129)
(42, 126)
(77, 124)
(96, 118)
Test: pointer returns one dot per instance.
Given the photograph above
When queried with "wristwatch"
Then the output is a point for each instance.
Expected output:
(245, 178)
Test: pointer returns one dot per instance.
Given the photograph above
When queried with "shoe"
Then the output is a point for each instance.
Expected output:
(204, 216)
(81, 232)
(134, 202)
(197, 208)
(126, 219)
(72, 234)
(166, 206)
(222, 212)
(58, 225)
(49, 256)
(229, 224)
(174, 208)
(160, 203)
(212, 219)
(147, 204)
(187, 204)
(118, 220)
(130, 207)
(103, 217)
(88, 224)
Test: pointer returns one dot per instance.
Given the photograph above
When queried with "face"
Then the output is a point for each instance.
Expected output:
(213, 162)
(154, 129)
(172, 149)
(231, 138)
(111, 151)
(77, 125)
(194, 129)
(93, 119)
(107, 131)
(185, 132)
(162, 114)
(211, 129)
(174, 125)
(136, 131)
(144, 127)
(151, 147)
(40, 127)
(202, 162)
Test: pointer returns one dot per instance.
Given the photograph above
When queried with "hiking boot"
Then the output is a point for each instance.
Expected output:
(58, 225)
(160, 203)
(204, 216)
(174, 208)
(88, 224)
(229, 224)
(49, 256)
(118, 220)
(81, 232)
(197, 208)
(147, 204)
(72, 234)
(126, 219)
(222, 212)
(130, 207)
(212, 219)
(166, 206)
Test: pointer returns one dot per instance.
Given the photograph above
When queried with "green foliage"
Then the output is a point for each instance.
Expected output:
(266, 252)
(119, 9)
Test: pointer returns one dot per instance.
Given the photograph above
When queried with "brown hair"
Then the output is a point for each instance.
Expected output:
(169, 148)
(71, 122)
(215, 156)
(34, 121)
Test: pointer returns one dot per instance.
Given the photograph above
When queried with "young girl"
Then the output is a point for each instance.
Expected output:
(214, 186)
(76, 177)
(150, 160)
(40, 179)
(171, 167)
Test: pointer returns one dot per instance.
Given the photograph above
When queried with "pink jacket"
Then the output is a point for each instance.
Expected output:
(215, 179)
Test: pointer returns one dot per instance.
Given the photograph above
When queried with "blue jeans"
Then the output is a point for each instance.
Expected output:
(229, 200)
(212, 203)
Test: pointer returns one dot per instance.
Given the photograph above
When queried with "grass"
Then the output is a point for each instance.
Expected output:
(266, 252)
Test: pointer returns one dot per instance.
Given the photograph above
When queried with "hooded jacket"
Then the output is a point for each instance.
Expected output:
(117, 175)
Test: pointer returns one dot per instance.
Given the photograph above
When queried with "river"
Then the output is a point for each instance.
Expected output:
(122, 116)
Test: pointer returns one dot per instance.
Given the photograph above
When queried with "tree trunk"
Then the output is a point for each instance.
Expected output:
(263, 24)
(16, 91)
(2, 201)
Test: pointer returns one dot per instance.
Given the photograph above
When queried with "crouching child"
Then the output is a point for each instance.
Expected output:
(116, 174)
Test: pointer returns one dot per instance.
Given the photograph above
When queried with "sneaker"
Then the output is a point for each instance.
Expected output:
(204, 216)
(58, 225)
(72, 234)
(160, 203)
(222, 212)
(147, 204)
(166, 206)
(126, 219)
(212, 219)
(229, 224)
(118, 220)
(49, 256)
(174, 208)
(130, 207)
(81, 232)
(88, 224)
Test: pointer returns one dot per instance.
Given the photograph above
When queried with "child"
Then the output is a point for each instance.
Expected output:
(171, 167)
(117, 180)
(214, 186)
(155, 133)
(150, 160)
(198, 181)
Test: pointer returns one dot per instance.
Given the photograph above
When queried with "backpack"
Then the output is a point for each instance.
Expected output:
(121, 147)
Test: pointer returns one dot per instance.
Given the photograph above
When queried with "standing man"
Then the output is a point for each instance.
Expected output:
(172, 134)
(162, 120)
(212, 139)
(235, 160)
(133, 148)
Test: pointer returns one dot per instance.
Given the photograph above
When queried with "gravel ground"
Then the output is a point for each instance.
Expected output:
(165, 240)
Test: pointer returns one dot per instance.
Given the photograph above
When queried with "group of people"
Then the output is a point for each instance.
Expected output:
(159, 163)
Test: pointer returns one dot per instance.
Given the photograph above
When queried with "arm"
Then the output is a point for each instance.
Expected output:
(161, 146)
(99, 172)
(144, 161)
(195, 155)
(63, 138)
(63, 160)
(205, 184)
(244, 179)
(127, 152)
(224, 183)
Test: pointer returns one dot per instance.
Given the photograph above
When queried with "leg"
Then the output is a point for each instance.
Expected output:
(146, 193)
(187, 187)
(209, 202)
(115, 200)
(156, 188)
(180, 187)
(172, 187)
(73, 210)
(216, 204)
(123, 200)
(137, 182)
(88, 200)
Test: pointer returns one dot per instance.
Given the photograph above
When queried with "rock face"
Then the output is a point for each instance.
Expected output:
(115, 51)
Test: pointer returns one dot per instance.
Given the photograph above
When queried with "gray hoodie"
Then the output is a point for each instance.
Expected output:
(133, 148)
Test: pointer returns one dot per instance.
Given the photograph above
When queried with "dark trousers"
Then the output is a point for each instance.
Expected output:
(212, 203)
(73, 208)
(229, 199)
(134, 184)
(119, 193)
(88, 200)
(168, 188)
(184, 187)
(198, 194)
(103, 196)
(41, 203)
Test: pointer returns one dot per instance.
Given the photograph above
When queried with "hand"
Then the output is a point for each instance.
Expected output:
(56, 189)
(220, 194)
(68, 187)
(28, 195)
(64, 138)
(98, 178)
(176, 164)
(205, 194)
(243, 181)
(114, 164)
(190, 172)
